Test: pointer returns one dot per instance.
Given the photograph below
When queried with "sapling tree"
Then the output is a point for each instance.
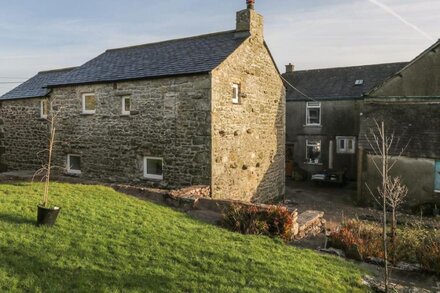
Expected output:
(392, 191)
(47, 166)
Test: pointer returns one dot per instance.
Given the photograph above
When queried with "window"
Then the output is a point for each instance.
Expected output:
(313, 113)
(345, 145)
(359, 82)
(235, 93)
(313, 151)
(89, 103)
(44, 108)
(126, 105)
(153, 168)
(73, 165)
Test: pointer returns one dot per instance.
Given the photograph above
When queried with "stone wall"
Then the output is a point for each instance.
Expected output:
(248, 138)
(23, 134)
(420, 187)
(170, 118)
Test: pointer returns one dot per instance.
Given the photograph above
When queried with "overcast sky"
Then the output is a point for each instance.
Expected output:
(38, 35)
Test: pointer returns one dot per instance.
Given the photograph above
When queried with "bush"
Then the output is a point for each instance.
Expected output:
(413, 245)
(367, 237)
(271, 221)
(429, 252)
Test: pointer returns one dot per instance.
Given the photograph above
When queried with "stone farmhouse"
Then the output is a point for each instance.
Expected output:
(323, 116)
(204, 110)
(409, 104)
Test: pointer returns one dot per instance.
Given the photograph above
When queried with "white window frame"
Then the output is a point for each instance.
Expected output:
(124, 112)
(235, 93)
(68, 170)
(309, 105)
(307, 151)
(152, 176)
(84, 111)
(44, 104)
(345, 150)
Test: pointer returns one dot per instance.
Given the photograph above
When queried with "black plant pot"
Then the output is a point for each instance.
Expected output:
(47, 216)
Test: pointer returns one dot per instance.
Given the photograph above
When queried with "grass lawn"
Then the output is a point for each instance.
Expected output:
(106, 241)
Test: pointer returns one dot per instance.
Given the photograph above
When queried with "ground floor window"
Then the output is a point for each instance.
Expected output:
(313, 151)
(153, 168)
(73, 165)
(345, 144)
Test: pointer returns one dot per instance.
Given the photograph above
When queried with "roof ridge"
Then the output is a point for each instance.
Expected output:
(58, 70)
(169, 41)
(354, 66)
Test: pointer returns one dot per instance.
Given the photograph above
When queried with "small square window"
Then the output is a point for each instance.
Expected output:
(126, 105)
(346, 145)
(359, 82)
(153, 168)
(89, 103)
(44, 108)
(73, 165)
(235, 93)
(313, 113)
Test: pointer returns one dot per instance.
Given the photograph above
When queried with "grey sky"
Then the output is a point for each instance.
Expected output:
(38, 35)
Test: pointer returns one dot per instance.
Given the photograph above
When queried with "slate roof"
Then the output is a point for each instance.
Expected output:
(200, 54)
(338, 83)
(415, 127)
(36, 86)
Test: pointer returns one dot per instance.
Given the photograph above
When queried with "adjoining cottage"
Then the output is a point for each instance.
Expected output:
(324, 107)
(409, 104)
(205, 110)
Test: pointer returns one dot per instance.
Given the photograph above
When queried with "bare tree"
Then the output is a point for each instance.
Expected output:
(47, 166)
(391, 192)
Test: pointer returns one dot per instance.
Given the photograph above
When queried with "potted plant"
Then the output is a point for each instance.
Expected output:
(47, 215)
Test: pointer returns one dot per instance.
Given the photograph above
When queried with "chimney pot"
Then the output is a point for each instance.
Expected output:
(250, 4)
(290, 68)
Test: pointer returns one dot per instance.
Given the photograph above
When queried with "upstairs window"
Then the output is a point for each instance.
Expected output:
(126, 105)
(88, 103)
(359, 82)
(73, 165)
(44, 108)
(235, 93)
(346, 145)
(313, 151)
(153, 168)
(313, 113)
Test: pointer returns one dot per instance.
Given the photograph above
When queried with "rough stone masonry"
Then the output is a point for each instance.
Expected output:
(189, 120)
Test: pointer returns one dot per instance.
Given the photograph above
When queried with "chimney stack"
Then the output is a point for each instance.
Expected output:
(290, 68)
(249, 22)
(250, 4)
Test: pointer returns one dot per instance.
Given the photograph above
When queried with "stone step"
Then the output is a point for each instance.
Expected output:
(308, 219)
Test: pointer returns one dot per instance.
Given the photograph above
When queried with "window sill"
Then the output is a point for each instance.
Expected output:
(313, 164)
(87, 114)
(345, 153)
(312, 126)
(72, 174)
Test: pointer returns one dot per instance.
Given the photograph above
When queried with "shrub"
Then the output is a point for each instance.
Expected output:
(428, 253)
(414, 245)
(367, 237)
(271, 221)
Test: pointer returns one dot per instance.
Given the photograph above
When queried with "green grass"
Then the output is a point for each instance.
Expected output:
(108, 242)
